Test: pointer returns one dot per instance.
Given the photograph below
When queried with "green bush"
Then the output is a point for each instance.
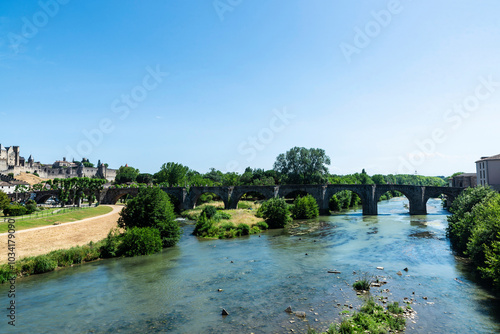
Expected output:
(152, 208)
(222, 215)
(372, 318)
(210, 211)
(6, 273)
(362, 284)
(242, 229)
(474, 231)
(141, 241)
(275, 212)
(262, 225)
(111, 245)
(461, 222)
(305, 208)
(491, 270)
(44, 264)
(14, 210)
(203, 226)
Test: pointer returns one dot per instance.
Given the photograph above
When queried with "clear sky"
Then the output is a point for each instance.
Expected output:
(389, 86)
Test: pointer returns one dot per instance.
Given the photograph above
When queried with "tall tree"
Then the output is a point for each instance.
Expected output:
(303, 166)
(4, 200)
(126, 174)
(172, 174)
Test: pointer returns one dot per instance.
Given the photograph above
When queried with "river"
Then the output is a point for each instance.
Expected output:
(176, 291)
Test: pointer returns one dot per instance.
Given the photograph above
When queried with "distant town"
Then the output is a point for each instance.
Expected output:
(13, 164)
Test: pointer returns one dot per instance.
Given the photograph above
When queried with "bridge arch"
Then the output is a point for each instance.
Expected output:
(239, 191)
(434, 192)
(364, 192)
(412, 193)
(316, 191)
(43, 199)
(196, 192)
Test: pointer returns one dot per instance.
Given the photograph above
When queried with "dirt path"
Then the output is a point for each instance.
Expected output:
(42, 240)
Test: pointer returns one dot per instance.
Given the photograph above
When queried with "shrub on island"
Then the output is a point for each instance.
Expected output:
(305, 208)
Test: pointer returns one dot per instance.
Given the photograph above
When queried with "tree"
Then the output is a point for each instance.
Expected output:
(152, 208)
(275, 212)
(378, 179)
(4, 200)
(462, 222)
(172, 174)
(305, 208)
(126, 174)
(303, 166)
(145, 178)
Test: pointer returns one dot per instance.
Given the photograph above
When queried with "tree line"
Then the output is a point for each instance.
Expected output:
(299, 165)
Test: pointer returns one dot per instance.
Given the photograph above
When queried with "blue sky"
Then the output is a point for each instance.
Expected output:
(389, 86)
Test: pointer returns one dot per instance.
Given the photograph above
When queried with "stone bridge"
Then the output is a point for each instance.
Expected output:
(186, 199)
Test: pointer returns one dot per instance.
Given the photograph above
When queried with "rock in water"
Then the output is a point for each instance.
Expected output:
(224, 312)
(300, 314)
(399, 273)
(405, 269)
(289, 309)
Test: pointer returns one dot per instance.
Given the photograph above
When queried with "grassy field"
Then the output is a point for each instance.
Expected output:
(246, 215)
(57, 218)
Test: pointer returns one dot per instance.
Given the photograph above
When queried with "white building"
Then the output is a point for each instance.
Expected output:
(488, 171)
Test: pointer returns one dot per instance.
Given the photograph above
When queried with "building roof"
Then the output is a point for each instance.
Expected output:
(494, 157)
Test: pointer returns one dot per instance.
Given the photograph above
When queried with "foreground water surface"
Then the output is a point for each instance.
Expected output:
(176, 291)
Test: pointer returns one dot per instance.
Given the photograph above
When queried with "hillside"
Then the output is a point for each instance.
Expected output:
(30, 178)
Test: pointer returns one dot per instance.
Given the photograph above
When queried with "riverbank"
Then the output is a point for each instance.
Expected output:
(42, 240)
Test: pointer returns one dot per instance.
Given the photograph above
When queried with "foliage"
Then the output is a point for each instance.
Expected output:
(144, 178)
(474, 231)
(262, 225)
(172, 174)
(461, 222)
(14, 210)
(4, 200)
(126, 174)
(30, 206)
(209, 211)
(141, 241)
(111, 245)
(152, 208)
(372, 318)
(211, 228)
(305, 208)
(300, 165)
(44, 264)
(275, 212)
(362, 284)
(76, 188)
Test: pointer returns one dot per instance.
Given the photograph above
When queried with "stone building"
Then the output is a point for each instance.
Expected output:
(464, 180)
(488, 171)
(12, 163)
